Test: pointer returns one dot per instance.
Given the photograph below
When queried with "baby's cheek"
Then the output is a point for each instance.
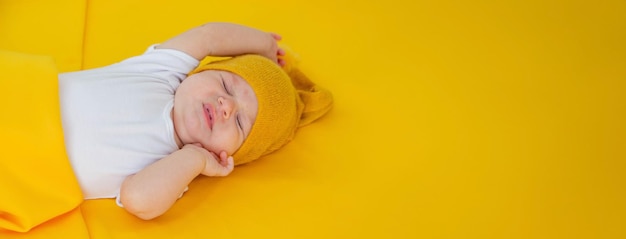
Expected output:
(227, 145)
(234, 149)
(236, 145)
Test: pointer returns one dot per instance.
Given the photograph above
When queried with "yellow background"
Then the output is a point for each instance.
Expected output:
(452, 119)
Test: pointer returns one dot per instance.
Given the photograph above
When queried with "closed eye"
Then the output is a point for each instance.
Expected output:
(225, 88)
(239, 122)
(238, 119)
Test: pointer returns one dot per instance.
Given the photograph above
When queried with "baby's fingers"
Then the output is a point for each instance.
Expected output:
(224, 170)
(223, 158)
(215, 168)
(276, 36)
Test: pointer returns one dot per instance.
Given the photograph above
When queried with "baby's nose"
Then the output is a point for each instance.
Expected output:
(226, 106)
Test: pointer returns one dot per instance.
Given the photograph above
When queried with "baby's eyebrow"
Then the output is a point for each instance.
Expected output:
(248, 122)
(233, 83)
(245, 126)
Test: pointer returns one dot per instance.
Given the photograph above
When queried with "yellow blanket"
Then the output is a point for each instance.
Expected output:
(36, 179)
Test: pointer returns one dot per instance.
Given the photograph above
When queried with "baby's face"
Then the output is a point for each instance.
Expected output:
(216, 109)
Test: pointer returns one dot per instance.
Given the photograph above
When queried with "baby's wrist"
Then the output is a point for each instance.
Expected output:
(195, 154)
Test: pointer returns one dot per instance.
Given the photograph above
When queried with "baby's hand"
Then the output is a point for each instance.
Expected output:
(268, 46)
(215, 165)
(221, 165)
(276, 53)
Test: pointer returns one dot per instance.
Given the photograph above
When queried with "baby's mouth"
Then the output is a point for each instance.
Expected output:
(208, 114)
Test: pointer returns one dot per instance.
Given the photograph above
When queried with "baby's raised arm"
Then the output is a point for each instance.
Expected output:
(225, 39)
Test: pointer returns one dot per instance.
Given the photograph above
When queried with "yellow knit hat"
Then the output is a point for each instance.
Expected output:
(287, 100)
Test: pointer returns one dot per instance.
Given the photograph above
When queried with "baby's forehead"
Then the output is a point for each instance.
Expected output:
(229, 75)
(235, 76)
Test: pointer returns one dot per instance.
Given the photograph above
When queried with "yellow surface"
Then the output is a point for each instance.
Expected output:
(44, 27)
(68, 225)
(462, 119)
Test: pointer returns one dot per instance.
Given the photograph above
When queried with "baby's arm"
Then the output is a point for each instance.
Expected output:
(225, 39)
(153, 190)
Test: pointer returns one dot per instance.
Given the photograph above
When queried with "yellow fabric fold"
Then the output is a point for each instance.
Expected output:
(36, 178)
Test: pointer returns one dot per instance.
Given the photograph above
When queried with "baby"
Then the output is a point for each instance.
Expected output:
(141, 130)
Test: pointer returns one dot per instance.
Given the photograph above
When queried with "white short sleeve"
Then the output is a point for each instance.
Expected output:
(117, 118)
(163, 62)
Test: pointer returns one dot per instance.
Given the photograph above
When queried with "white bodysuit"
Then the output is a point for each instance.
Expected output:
(117, 119)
